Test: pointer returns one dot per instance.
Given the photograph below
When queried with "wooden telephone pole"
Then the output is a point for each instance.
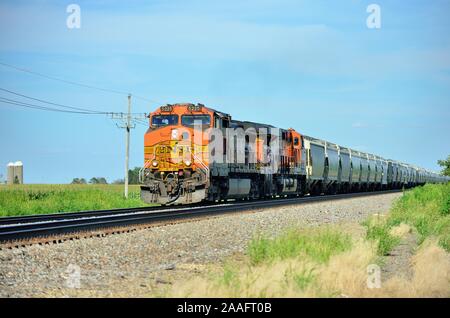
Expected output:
(127, 145)
(127, 126)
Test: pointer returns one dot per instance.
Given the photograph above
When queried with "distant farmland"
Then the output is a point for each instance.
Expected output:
(44, 198)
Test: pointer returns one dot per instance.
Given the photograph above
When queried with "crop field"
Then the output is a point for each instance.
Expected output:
(43, 198)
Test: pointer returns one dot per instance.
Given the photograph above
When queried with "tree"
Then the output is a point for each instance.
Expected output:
(98, 180)
(102, 180)
(93, 180)
(445, 164)
(119, 181)
(78, 181)
(133, 175)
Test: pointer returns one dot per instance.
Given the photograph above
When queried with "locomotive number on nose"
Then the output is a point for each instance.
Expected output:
(163, 149)
(181, 148)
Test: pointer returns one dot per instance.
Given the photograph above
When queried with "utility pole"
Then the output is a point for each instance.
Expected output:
(127, 125)
(127, 145)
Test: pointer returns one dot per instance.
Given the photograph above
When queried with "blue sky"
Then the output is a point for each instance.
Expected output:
(310, 65)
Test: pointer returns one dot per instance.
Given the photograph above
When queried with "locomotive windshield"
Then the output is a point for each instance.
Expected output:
(191, 120)
(164, 120)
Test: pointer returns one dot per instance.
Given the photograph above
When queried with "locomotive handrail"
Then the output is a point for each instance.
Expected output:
(201, 162)
(141, 171)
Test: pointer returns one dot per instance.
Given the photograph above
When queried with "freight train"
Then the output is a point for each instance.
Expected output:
(193, 153)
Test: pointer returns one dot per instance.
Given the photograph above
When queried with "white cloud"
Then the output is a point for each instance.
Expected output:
(359, 125)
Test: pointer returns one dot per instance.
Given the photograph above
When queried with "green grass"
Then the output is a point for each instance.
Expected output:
(379, 231)
(427, 209)
(42, 199)
(304, 278)
(317, 245)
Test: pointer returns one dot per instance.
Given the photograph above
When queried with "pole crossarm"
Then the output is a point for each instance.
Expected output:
(124, 116)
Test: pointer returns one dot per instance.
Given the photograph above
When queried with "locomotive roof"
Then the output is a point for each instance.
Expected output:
(247, 124)
(221, 114)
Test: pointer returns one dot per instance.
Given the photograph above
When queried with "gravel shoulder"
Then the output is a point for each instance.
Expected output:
(398, 262)
(143, 262)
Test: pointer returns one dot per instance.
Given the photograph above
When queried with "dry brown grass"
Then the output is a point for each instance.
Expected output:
(261, 281)
(345, 275)
(400, 230)
(431, 278)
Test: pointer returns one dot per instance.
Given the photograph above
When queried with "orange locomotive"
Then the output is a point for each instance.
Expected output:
(193, 153)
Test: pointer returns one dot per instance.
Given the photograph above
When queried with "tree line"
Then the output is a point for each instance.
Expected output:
(133, 178)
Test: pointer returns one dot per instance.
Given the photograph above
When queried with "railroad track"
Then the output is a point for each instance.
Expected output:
(51, 225)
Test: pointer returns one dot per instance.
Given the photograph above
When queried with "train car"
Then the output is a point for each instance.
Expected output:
(315, 164)
(372, 172)
(385, 174)
(365, 168)
(356, 170)
(169, 152)
(193, 153)
(378, 173)
(345, 163)
(395, 183)
(412, 176)
(332, 168)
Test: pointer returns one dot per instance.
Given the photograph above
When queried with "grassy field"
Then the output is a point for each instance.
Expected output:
(42, 199)
(335, 261)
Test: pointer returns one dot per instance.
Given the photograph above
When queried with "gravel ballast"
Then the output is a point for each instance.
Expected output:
(128, 264)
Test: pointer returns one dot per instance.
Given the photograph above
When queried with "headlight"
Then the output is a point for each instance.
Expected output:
(187, 162)
(154, 163)
(175, 134)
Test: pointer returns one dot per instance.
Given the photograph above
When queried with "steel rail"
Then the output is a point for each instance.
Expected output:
(84, 222)
(6, 220)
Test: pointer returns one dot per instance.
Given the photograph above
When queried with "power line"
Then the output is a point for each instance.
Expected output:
(39, 107)
(82, 110)
(140, 122)
(136, 116)
(113, 91)
(52, 103)
(144, 121)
